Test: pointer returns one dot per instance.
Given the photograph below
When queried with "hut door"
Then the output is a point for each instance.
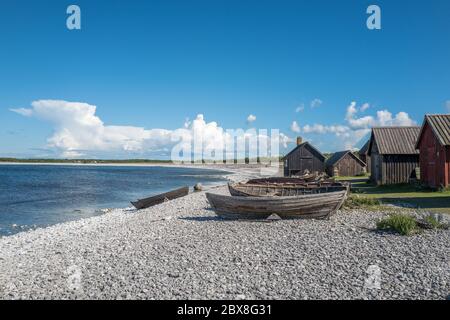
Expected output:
(376, 170)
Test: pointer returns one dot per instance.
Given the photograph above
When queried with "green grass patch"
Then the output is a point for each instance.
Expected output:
(401, 223)
(405, 224)
(412, 195)
(356, 201)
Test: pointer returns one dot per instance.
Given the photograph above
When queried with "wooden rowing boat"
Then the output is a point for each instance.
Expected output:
(283, 180)
(319, 206)
(160, 198)
(286, 190)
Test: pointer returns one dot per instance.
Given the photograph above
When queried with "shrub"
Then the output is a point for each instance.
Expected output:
(401, 223)
(430, 222)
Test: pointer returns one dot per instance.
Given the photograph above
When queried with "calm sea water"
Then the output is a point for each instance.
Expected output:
(40, 195)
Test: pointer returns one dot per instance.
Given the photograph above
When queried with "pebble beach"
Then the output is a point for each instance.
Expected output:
(181, 250)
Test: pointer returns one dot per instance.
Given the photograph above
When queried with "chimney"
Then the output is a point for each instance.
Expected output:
(299, 140)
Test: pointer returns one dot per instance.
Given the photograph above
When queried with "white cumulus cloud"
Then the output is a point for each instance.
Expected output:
(251, 118)
(78, 131)
(355, 128)
(383, 118)
(300, 108)
(316, 103)
(364, 107)
(322, 129)
(23, 111)
(295, 127)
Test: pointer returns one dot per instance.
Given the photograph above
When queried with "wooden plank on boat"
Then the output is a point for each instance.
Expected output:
(320, 205)
(249, 190)
(160, 198)
(283, 180)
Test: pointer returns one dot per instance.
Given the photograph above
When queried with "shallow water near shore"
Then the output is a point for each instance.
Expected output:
(40, 195)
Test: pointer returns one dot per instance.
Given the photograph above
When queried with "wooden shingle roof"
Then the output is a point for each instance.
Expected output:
(395, 140)
(440, 125)
(337, 156)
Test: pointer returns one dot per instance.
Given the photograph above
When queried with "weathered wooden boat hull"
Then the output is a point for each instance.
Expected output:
(160, 198)
(283, 180)
(249, 190)
(317, 206)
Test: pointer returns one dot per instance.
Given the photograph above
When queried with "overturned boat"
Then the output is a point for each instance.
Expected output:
(160, 198)
(318, 205)
(283, 190)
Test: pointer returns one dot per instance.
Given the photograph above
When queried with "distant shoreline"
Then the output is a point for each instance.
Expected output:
(218, 166)
(118, 164)
(82, 161)
(233, 172)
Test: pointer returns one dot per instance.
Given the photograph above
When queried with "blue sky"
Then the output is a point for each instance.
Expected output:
(152, 64)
